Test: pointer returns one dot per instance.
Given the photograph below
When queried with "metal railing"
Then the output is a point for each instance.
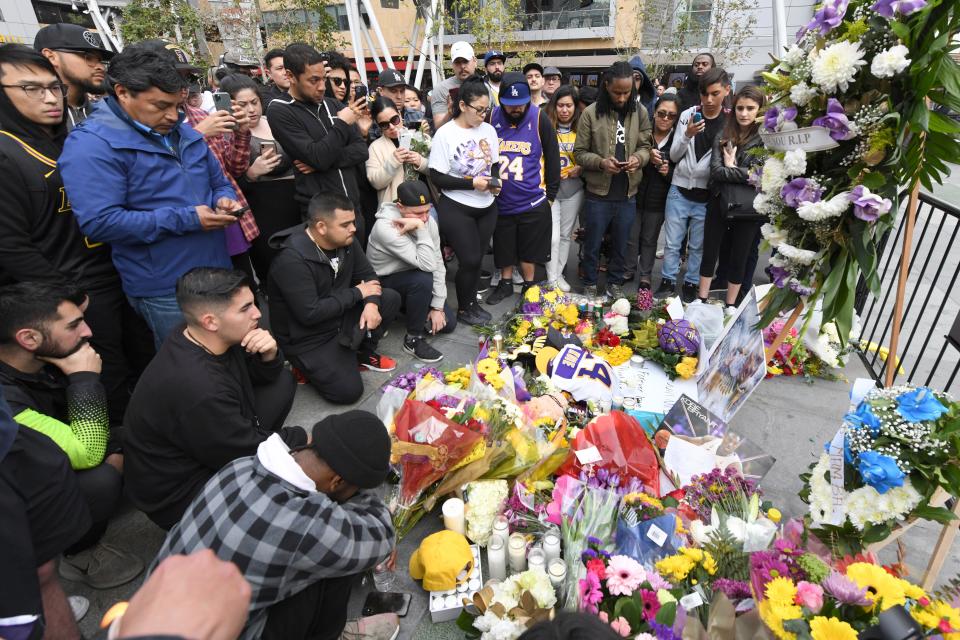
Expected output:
(927, 354)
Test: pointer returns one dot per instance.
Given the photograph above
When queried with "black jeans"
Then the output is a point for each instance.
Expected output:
(124, 342)
(319, 612)
(741, 236)
(100, 487)
(468, 230)
(651, 222)
(331, 367)
(416, 293)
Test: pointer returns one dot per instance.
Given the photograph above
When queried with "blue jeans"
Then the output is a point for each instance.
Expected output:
(680, 214)
(161, 313)
(600, 215)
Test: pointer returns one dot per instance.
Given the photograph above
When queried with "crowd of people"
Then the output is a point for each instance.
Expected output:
(148, 221)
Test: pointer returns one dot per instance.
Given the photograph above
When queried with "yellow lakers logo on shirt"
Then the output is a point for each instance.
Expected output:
(515, 146)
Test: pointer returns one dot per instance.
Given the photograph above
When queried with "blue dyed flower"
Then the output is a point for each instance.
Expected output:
(863, 417)
(919, 405)
(847, 453)
(879, 471)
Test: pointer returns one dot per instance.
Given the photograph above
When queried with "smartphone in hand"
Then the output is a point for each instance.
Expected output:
(221, 101)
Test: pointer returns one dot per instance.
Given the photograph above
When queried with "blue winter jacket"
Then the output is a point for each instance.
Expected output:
(131, 191)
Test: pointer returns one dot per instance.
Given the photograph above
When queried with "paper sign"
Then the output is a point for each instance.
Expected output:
(691, 601)
(687, 460)
(675, 309)
(657, 535)
(653, 390)
(588, 455)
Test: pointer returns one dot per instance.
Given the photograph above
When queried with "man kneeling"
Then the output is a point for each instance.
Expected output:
(404, 249)
(326, 303)
(215, 390)
(300, 525)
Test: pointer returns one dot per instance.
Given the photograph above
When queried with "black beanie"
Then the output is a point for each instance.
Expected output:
(356, 445)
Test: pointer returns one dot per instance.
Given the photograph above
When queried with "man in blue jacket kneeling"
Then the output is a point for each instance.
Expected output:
(144, 181)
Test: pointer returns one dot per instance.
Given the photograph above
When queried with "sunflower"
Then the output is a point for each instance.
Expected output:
(881, 587)
(831, 629)
(781, 591)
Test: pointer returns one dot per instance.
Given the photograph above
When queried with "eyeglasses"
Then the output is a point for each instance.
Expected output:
(337, 82)
(92, 59)
(38, 92)
(666, 115)
(481, 111)
(392, 122)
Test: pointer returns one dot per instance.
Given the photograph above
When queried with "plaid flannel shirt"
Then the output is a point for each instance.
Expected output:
(234, 157)
(282, 538)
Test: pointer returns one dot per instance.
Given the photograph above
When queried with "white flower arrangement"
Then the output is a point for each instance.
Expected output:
(485, 498)
(507, 594)
(802, 93)
(795, 255)
(793, 56)
(890, 62)
(795, 162)
(825, 209)
(774, 175)
(836, 66)
(774, 236)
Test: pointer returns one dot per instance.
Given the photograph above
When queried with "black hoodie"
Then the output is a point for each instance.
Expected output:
(313, 134)
(40, 239)
(308, 300)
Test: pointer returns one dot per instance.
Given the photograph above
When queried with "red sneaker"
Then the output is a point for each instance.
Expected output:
(375, 362)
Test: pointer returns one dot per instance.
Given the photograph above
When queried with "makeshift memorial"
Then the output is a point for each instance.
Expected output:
(506, 609)
(574, 370)
(484, 500)
(680, 361)
(885, 465)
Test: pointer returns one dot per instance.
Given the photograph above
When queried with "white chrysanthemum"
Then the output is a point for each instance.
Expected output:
(773, 235)
(774, 176)
(795, 162)
(802, 93)
(485, 622)
(821, 496)
(765, 204)
(505, 629)
(795, 255)
(484, 499)
(794, 56)
(867, 506)
(890, 62)
(779, 261)
(836, 66)
(825, 209)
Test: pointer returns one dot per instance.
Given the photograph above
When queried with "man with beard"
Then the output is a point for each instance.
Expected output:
(689, 93)
(80, 59)
(445, 94)
(51, 380)
(493, 63)
(530, 172)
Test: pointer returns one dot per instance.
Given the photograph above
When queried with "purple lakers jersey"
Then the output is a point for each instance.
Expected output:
(521, 162)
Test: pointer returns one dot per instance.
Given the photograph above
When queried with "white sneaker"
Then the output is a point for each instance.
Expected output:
(659, 254)
(563, 285)
(517, 278)
(729, 311)
(79, 606)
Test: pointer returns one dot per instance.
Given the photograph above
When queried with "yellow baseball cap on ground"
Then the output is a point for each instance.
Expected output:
(441, 559)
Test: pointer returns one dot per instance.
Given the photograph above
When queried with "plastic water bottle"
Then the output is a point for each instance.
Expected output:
(384, 578)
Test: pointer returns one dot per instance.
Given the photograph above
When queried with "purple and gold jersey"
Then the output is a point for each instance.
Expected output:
(521, 162)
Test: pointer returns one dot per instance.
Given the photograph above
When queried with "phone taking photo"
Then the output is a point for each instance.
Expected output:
(221, 101)
(360, 91)
(267, 144)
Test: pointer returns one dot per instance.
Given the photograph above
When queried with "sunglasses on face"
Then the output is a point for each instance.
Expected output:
(392, 122)
(337, 82)
(666, 115)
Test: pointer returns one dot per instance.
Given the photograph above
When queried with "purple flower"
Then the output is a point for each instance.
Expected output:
(597, 542)
(828, 16)
(733, 589)
(764, 567)
(774, 118)
(780, 276)
(800, 289)
(845, 590)
(887, 8)
(868, 206)
(662, 631)
(533, 308)
(835, 120)
(755, 175)
(800, 190)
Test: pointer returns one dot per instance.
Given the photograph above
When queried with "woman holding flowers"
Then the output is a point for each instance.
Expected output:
(729, 190)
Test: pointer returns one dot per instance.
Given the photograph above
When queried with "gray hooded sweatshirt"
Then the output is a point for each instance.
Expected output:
(389, 252)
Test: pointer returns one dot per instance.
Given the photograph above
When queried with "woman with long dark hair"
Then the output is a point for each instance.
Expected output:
(564, 113)
(730, 209)
(385, 166)
(652, 194)
(463, 157)
(612, 146)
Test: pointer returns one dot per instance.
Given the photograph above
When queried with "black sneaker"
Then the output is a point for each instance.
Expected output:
(373, 361)
(484, 285)
(614, 291)
(666, 289)
(419, 348)
(483, 313)
(501, 292)
(472, 316)
(689, 292)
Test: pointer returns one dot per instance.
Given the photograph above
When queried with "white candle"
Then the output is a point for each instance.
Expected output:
(497, 558)
(518, 553)
(551, 545)
(557, 570)
(453, 517)
(501, 527)
(536, 559)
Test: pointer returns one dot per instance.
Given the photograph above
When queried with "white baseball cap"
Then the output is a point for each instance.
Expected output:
(461, 50)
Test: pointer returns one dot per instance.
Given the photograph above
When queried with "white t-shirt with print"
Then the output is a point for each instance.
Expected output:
(465, 153)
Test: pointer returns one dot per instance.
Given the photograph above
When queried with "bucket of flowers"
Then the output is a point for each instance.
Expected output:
(506, 609)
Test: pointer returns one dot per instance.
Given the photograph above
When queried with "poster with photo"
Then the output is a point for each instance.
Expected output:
(737, 363)
(593, 80)
(575, 79)
(687, 417)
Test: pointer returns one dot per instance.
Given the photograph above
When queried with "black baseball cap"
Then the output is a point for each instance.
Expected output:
(71, 37)
(391, 78)
(533, 65)
(180, 58)
(413, 193)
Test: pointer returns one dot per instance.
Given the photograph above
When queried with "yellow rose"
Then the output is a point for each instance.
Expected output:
(532, 294)
(687, 367)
